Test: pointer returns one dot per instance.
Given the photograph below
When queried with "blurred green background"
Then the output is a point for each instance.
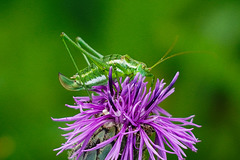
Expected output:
(32, 54)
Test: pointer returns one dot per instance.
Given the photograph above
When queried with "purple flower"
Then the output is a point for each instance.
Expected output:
(133, 112)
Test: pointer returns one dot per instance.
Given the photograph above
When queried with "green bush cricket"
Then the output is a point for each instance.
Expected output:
(95, 73)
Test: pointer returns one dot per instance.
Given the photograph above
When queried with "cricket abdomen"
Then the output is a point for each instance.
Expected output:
(92, 76)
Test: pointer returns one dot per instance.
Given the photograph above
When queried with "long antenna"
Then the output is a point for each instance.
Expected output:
(168, 51)
(177, 54)
(171, 47)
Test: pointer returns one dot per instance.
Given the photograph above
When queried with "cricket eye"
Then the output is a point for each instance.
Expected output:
(144, 66)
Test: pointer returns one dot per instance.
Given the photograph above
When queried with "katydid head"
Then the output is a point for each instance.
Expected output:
(143, 70)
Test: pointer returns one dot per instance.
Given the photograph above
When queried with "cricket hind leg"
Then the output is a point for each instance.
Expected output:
(96, 60)
(71, 84)
(85, 57)
(89, 48)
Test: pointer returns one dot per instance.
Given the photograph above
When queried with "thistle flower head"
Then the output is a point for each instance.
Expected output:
(127, 114)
